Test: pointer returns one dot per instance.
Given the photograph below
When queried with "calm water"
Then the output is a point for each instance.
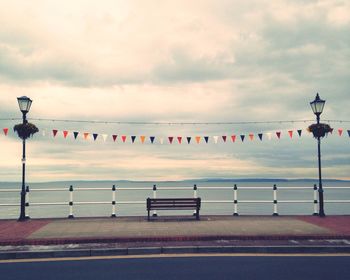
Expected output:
(141, 195)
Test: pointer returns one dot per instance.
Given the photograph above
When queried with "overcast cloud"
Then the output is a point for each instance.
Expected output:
(174, 61)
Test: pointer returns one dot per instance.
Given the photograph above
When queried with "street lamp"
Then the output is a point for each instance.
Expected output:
(24, 105)
(317, 107)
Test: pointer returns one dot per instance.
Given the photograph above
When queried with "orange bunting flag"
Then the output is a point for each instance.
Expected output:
(86, 135)
(65, 133)
(290, 133)
(124, 138)
(340, 131)
(6, 130)
(54, 132)
(198, 139)
(251, 136)
(142, 138)
(278, 133)
(171, 139)
(179, 139)
(233, 137)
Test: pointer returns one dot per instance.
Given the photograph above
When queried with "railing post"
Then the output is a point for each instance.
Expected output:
(154, 196)
(235, 201)
(71, 216)
(113, 202)
(315, 201)
(194, 196)
(275, 213)
(27, 203)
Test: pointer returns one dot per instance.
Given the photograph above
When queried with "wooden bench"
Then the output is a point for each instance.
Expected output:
(174, 204)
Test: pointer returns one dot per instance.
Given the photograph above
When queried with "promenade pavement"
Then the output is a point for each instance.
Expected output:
(137, 232)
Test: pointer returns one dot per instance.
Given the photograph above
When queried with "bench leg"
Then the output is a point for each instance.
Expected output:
(148, 218)
(197, 215)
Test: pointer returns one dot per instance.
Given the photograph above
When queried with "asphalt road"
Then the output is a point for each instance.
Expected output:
(189, 267)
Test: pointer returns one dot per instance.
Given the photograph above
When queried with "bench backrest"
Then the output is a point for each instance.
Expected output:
(168, 203)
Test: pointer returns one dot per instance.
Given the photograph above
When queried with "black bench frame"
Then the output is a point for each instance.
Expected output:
(174, 204)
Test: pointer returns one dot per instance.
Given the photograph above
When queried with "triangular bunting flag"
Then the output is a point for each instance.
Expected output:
(242, 137)
(233, 138)
(114, 136)
(152, 139)
(290, 132)
(123, 138)
(216, 138)
(75, 133)
(104, 136)
(188, 140)
(65, 133)
(206, 138)
(224, 138)
(251, 136)
(6, 130)
(340, 131)
(142, 138)
(44, 132)
(171, 139)
(54, 132)
(95, 136)
(269, 135)
(133, 139)
(278, 133)
(161, 140)
(179, 139)
(299, 132)
(349, 132)
(86, 134)
(198, 139)
(331, 130)
(260, 136)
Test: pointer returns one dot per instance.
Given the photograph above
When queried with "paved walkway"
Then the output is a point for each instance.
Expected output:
(162, 229)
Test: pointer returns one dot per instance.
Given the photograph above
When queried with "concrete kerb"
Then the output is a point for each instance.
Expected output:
(175, 250)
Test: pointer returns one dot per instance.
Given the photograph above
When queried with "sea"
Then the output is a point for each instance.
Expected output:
(217, 197)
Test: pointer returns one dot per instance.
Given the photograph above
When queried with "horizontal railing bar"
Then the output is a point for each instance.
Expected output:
(92, 189)
(92, 202)
(333, 188)
(10, 204)
(131, 202)
(48, 190)
(295, 201)
(48, 203)
(337, 201)
(217, 201)
(255, 201)
(9, 190)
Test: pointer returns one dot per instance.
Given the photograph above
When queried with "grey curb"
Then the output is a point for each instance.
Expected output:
(173, 250)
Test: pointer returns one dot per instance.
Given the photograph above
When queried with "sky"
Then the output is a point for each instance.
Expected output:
(174, 61)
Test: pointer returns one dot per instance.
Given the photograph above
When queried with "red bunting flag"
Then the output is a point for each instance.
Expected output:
(233, 137)
(124, 138)
(171, 139)
(179, 139)
(114, 137)
(224, 138)
(6, 130)
(290, 133)
(340, 131)
(65, 133)
(142, 138)
(251, 136)
(278, 133)
(54, 132)
(86, 135)
(198, 139)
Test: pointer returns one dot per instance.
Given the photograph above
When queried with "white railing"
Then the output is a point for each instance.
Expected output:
(114, 202)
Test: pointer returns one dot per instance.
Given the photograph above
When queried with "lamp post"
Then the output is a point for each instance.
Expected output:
(24, 105)
(317, 107)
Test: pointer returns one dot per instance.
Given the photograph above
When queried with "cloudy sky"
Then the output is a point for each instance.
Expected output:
(174, 61)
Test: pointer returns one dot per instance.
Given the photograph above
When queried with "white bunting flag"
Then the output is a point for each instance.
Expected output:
(216, 139)
(104, 136)
(161, 140)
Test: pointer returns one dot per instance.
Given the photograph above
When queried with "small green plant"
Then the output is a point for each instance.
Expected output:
(320, 130)
(26, 130)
